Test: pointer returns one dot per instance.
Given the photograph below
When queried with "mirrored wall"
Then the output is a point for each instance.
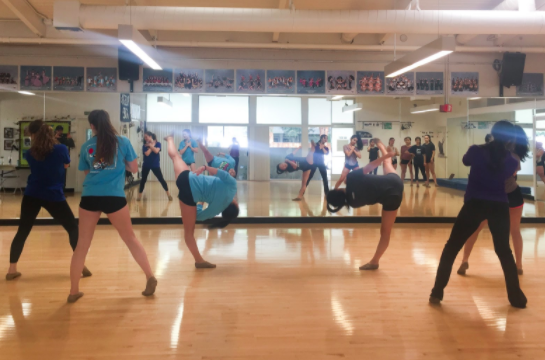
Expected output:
(260, 131)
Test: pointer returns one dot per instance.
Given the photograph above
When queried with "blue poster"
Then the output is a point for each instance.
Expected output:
(125, 115)
(310, 82)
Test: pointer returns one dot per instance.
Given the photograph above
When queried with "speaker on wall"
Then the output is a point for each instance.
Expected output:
(129, 64)
(512, 69)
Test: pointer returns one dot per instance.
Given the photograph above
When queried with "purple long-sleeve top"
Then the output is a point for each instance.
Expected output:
(483, 183)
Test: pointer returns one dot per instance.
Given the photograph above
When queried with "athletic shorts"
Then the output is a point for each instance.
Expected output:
(405, 162)
(105, 204)
(394, 161)
(515, 198)
(393, 201)
(351, 167)
(189, 164)
(185, 194)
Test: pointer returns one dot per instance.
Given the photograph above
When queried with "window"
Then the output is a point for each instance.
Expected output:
(278, 110)
(284, 137)
(224, 109)
(319, 111)
(340, 137)
(180, 111)
(222, 136)
(338, 117)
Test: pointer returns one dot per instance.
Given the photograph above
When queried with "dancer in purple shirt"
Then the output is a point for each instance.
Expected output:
(485, 199)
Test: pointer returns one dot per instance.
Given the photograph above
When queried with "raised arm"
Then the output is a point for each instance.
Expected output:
(358, 153)
(147, 152)
(155, 149)
(349, 151)
(183, 150)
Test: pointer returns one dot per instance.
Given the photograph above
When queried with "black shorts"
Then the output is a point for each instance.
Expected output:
(189, 164)
(105, 204)
(393, 201)
(185, 195)
(351, 167)
(515, 198)
(405, 162)
(394, 161)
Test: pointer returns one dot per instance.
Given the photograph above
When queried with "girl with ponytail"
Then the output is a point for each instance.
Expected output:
(352, 152)
(363, 189)
(151, 150)
(104, 159)
(47, 160)
(485, 199)
(218, 190)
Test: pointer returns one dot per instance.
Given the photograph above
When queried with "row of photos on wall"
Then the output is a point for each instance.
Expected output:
(249, 81)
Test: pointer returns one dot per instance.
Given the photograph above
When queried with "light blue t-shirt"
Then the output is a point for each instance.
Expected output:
(218, 191)
(104, 179)
(188, 156)
(223, 163)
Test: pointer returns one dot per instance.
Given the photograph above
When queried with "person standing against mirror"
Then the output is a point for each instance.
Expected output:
(417, 153)
(320, 151)
(406, 159)
(373, 155)
(429, 160)
(188, 148)
(234, 152)
(66, 140)
(391, 148)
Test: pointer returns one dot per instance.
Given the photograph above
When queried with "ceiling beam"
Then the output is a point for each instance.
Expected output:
(282, 4)
(26, 13)
(383, 38)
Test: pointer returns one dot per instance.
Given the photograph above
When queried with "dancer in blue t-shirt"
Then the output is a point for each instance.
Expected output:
(188, 148)
(47, 160)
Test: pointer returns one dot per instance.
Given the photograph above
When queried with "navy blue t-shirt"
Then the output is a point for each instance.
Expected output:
(152, 160)
(46, 179)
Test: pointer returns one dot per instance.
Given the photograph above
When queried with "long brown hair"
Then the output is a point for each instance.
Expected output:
(106, 136)
(43, 141)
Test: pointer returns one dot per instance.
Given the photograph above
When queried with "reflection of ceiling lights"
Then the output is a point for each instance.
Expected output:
(353, 107)
(425, 108)
(426, 54)
(164, 101)
(337, 97)
(26, 93)
(137, 43)
(474, 98)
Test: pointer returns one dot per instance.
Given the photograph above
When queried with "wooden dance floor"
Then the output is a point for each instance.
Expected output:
(273, 199)
(278, 293)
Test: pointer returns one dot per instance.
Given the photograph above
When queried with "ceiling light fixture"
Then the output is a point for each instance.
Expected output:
(337, 97)
(26, 93)
(137, 43)
(425, 108)
(426, 54)
(164, 101)
(474, 98)
(353, 107)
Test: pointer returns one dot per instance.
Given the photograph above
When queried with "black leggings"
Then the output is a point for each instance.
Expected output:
(323, 172)
(236, 165)
(470, 217)
(422, 169)
(30, 207)
(158, 174)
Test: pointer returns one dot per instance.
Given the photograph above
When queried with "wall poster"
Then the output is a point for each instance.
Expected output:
(250, 81)
(310, 82)
(101, 79)
(281, 81)
(219, 80)
(37, 78)
(157, 80)
(9, 77)
(125, 107)
(532, 85)
(429, 83)
(188, 80)
(464, 83)
(341, 82)
(401, 85)
(68, 78)
(370, 82)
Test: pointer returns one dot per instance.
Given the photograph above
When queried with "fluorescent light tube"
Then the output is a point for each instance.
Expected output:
(425, 108)
(353, 107)
(26, 93)
(337, 97)
(429, 59)
(137, 43)
(164, 101)
(132, 46)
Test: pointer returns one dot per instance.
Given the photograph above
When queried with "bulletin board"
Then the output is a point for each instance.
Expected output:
(24, 137)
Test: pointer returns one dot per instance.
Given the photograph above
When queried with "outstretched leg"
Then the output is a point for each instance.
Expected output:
(344, 174)
(468, 247)
(207, 155)
(304, 180)
(386, 225)
(179, 165)
(189, 217)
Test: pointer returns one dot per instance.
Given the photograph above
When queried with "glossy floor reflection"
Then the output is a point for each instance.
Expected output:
(273, 198)
(278, 293)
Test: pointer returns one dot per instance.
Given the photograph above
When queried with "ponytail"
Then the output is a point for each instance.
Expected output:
(106, 136)
(503, 133)
(359, 144)
(44, 139)
(336, 200)
(230, 213)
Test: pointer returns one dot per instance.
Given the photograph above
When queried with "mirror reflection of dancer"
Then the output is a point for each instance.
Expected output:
(188, 148)
(352, 152)
(218, 190)
(417, 152)
(429, 160)
(47, 160)
(485, 199)
(520, 150)
(293, 163)
(234, 152)
(364, 189)
(406, 159)
(222, 161)
(151, 150)
(540, 163)
(391, 148)
(372, 149)
(320, 150)
(104, 159)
